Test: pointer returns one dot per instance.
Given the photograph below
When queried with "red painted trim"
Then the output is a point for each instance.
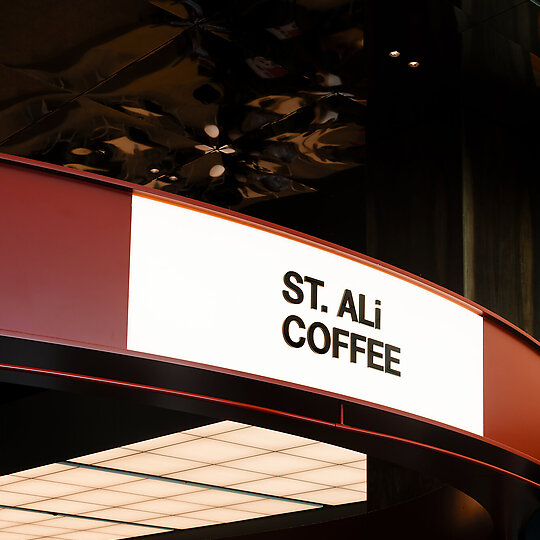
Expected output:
(282, 231)
(251, 376)
(511, 397)
(316, 243)
(486, 438)
(276, 229)
(275, 412)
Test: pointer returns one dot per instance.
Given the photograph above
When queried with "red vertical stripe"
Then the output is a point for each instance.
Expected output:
(511, 390)
(64, 257)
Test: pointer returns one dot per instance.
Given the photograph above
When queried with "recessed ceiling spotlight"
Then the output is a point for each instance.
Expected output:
(217, 170)
(394, 54)
(211, 130)
(154, 171)
(173, 178)
(414, 64)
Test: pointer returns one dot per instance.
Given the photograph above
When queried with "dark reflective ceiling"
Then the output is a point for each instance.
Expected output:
(227, 102)
(245, 103)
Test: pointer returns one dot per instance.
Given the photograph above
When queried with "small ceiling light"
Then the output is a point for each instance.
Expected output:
(394, 54)
(173, 178)
(211, 130)
(154, 171)
(414, 64)
(217, 170)
(81, 151)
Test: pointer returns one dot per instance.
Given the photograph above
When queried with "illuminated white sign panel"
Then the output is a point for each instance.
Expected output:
(211, 290)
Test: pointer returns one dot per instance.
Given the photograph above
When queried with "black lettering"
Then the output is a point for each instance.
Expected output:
(355, 348)
(314, 284)
(285, 329)
(389, 359)
(377, 314)
(347, 305)
(310, 338)
(336, 344)
(374, 354)
(362, 311)
(295, 288)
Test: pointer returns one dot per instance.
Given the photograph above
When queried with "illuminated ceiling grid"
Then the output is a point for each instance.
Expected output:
(219, 473)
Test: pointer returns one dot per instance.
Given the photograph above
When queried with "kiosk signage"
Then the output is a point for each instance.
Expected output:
(215, 291)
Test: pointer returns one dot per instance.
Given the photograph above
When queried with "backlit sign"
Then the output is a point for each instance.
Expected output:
(220, 292)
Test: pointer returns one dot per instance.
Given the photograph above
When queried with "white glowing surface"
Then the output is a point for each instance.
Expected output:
(226, 309)
(247, 460)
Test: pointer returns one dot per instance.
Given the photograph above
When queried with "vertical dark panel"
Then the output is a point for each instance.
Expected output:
(501, 143)
(414, 172)
(501, 267)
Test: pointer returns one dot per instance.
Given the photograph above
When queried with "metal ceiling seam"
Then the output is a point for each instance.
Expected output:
(91, 518)
(202, 485)
(79, 95)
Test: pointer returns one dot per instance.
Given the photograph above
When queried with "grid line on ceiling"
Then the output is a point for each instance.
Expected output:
(188, 483)
(62, 514)
(217, 473)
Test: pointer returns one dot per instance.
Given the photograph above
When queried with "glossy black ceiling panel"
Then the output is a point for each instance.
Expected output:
(227, 102)
(480, 10)
(521, 24)
(25, 99)
(499, 77)
(295, 111)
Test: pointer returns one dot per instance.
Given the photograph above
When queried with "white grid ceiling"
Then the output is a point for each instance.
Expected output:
(261, 472)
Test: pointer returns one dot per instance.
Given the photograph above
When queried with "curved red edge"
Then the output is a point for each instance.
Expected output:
(270, 227)
(275, 412)
(507, 435)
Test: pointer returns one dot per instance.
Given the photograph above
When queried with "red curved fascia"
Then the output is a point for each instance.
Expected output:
(270, 227)
(273, 228)
(275, 412)
(96, 282)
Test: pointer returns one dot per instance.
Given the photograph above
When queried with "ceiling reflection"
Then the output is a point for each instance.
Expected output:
(227, 102)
